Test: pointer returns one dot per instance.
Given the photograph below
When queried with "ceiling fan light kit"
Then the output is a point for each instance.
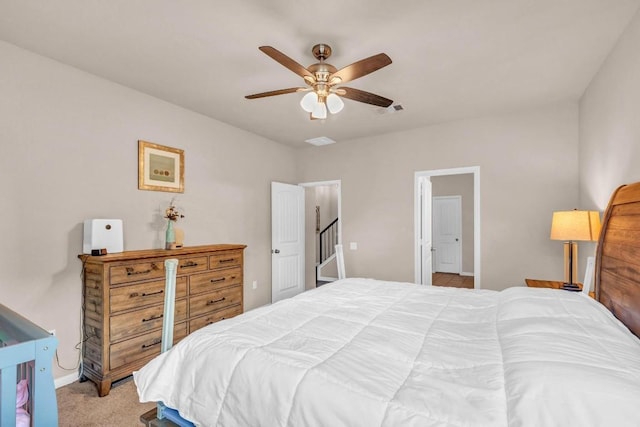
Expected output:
(334, 103)
(309, 101)
(321, 79)
(319, 111)
(314, 104)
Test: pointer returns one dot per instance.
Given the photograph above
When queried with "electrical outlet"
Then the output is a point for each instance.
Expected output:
(52, 332)
(255, 284)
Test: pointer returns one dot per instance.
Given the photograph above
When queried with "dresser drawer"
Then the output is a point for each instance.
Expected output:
(225, 313)
(206, 282)
(192, 265)
(136, 271)
(217, 300)
(140, 295)
(136, 322)
(225, 259)
(147, 345)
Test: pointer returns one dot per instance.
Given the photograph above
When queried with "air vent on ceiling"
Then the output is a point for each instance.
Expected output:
(321, 140)
(393, 108)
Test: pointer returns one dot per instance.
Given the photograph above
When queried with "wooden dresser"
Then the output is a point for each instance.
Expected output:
(124, 302)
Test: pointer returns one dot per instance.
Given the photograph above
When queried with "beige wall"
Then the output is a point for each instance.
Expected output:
(69, 152)
(610, 125)
(528, 168)
(459, 185)
(609, 152)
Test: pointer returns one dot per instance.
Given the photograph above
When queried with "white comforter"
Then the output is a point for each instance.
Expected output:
(369, 353)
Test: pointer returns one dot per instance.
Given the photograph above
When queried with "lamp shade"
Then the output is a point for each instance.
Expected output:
(575, 225)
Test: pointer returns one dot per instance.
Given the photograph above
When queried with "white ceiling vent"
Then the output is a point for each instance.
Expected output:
(321, 140)
(393, 108)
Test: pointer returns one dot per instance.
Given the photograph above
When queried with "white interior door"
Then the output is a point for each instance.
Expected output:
(287, 240)
(447, 233)
(425, 242)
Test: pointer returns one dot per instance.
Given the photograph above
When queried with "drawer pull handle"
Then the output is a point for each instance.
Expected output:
(218, 280)
(153, 318)
(132, 272)
(189, 264)
(144, 294)
(214, 321)
(214, 301)
(155, 342)
(226, 260)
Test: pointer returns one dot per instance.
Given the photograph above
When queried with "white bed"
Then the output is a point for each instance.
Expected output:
(361, 352)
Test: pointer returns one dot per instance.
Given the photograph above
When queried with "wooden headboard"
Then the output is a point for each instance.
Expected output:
(618, 257)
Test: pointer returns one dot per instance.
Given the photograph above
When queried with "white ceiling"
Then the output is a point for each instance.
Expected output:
(452, 59)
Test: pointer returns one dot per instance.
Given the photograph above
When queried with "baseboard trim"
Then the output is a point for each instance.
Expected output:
(66, 380)
(466, 274)
(327, 279)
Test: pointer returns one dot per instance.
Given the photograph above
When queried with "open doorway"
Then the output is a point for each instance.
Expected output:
(323, 230)
(453, 246)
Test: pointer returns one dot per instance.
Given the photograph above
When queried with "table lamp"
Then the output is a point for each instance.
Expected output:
(572, 226)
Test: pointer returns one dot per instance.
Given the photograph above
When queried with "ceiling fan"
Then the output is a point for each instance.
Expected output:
(322, 81)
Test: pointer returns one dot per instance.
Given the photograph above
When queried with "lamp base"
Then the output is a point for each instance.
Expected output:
(570, 261)
(571, 287)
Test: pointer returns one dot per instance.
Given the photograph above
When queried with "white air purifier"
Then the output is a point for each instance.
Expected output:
(102, 234)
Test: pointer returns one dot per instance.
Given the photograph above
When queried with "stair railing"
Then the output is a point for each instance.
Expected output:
(328, 240)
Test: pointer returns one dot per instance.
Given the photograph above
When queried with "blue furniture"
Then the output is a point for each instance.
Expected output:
(26, 352)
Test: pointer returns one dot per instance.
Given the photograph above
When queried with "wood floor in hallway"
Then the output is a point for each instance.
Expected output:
(452, 280)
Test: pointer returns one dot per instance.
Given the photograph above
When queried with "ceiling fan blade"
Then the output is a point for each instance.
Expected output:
(360, 68)
(283, 59)
(277, 92)
(362, 96)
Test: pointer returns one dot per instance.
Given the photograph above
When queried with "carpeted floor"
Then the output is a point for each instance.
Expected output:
(79, 405)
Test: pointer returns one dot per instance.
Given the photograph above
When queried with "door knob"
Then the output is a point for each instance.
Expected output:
(456, 239)
(276, 251)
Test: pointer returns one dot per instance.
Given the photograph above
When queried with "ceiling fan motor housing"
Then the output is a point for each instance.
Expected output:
(321, 71)
(321, 51)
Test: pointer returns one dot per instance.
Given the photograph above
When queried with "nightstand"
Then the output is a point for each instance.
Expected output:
(533, 283)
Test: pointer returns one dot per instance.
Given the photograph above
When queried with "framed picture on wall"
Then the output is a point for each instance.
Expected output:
(160, 168)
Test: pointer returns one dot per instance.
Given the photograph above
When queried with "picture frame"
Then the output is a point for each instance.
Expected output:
(160, 168)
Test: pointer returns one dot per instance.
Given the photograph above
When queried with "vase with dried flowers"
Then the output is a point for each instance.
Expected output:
(172, 215)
